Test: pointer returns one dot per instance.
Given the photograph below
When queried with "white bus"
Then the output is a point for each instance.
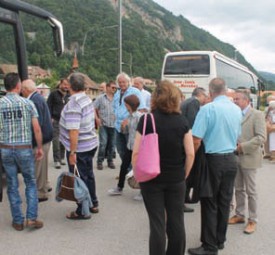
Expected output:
(191, 69)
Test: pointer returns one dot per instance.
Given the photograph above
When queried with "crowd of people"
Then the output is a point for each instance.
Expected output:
(207, 143)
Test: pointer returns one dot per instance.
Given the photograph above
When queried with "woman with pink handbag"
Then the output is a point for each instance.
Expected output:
(164, 192)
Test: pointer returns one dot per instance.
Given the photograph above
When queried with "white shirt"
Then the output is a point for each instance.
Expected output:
(147, 98)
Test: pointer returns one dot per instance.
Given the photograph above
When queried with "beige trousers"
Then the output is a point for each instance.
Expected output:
(41, 172)
(245, 187)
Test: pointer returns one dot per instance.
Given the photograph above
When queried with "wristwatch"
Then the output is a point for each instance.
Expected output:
(72, 152)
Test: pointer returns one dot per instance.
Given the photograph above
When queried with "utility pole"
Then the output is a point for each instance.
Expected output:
(120, 36)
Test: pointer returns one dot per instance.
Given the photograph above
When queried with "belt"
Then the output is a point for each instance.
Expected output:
(219, 154)
(9, 146)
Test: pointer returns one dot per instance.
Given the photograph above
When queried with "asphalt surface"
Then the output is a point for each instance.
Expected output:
(121, 226)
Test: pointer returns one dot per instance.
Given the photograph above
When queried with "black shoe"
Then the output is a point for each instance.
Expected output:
(43, 199)
(220, 246)
(187, 209)
(99, 166)
(201, 251)
(111, 165)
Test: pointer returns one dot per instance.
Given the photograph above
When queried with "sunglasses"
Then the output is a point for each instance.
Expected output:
(114, 88)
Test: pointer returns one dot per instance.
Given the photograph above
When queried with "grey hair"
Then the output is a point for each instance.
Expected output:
(140, 79)
(77, 82)
(217, 86)
(245, 93)
(198, 91)
(125, 75)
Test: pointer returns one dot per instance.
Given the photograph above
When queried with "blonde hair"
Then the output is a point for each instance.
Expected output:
(166, 97)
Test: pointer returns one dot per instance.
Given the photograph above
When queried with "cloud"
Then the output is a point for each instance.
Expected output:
(246, 24)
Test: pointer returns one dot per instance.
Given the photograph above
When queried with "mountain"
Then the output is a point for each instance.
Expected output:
(269, 79)
(268, 76)
(91, 31)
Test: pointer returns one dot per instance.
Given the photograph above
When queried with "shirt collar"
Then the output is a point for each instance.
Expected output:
(30, 95)
(246, 110)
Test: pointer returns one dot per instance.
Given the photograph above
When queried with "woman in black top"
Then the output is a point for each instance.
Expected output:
(164, 195)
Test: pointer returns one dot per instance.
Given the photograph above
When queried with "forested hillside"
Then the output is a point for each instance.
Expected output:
(91, 31)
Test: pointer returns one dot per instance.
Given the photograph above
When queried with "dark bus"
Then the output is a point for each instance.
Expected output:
(10, 19)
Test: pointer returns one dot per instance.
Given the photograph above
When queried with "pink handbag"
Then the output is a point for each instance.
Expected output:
(148, 162)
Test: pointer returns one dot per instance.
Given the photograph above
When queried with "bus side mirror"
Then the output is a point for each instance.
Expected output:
(253, 90)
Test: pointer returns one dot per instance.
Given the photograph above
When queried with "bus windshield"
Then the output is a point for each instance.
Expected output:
(187, 65)
(13, 36)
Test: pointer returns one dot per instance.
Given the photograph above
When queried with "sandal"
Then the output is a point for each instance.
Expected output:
(94, 209)
(75, 216)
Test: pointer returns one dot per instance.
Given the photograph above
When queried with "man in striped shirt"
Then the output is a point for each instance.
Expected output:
(78, 135)
(18, 116)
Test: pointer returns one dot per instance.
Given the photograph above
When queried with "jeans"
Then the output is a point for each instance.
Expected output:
(58, 148)
(163, 202)
(121, 143)
(23, 159)
(106, 144)
(85, 169)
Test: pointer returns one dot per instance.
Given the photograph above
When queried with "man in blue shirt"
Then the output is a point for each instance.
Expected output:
(218, 125)
(121, 113)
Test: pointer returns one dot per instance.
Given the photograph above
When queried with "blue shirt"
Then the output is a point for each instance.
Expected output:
(218, 124)
(121, 113)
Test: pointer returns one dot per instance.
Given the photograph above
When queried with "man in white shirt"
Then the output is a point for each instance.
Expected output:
(138, 83)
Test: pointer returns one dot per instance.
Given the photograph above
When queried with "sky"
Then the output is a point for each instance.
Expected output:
(247, 25)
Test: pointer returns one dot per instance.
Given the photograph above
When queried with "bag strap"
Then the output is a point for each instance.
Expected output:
(145, 123)
(76, 173)
(153, 122)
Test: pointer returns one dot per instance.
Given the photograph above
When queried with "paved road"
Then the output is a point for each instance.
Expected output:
(121, 227)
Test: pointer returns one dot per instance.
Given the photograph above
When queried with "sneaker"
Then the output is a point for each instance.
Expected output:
(111, 165)
(236, 220)
(250, 227)
(138, 197)
(63, 162)
(99, 166)
(34, 224)
(115, 191)
(57, 165)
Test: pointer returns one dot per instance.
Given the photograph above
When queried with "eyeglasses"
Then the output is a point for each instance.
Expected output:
(114, 88)
(88, 89)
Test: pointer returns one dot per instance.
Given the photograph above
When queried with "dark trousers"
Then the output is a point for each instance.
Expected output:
(85, 168)
(215, 210)
(121, 143)
(126, 162)
(164, 206)
(58, 147)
